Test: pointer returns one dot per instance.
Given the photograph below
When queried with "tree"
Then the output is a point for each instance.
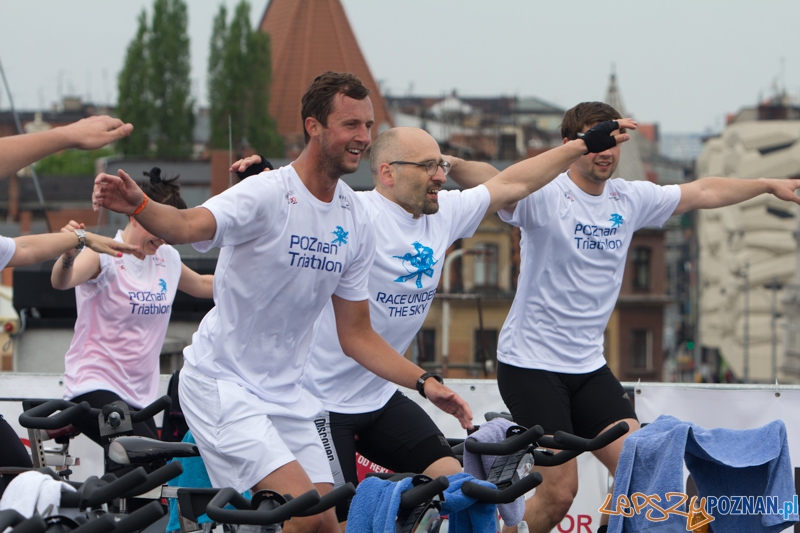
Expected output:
(170, 86)
(154, 85)
(239, 78)
(134, 104)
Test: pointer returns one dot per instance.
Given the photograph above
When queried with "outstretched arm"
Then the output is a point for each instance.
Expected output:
(176, 226)
(362, 343)
(75, 266)
(33, 249)
(197, 285)
(711, 192)
(18, 151)
(521, 179)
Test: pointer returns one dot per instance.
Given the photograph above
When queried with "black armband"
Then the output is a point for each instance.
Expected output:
(421, 382)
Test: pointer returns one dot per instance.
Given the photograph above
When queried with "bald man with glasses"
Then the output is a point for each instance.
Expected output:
(415, 221)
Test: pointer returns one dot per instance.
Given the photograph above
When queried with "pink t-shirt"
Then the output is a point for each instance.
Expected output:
(123, 316)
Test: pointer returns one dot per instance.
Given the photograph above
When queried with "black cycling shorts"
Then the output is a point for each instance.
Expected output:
(400, 436)
(583, 404)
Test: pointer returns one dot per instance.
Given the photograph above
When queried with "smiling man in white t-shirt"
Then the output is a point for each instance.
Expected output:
(576, 231)
(291, 241)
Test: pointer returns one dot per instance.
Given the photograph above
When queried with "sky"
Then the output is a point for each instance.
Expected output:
(684, 64)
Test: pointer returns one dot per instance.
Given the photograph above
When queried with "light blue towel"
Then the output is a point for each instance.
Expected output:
(194, 475)
(722, 462)
(375, 505)
(493, 431)
(466, 514)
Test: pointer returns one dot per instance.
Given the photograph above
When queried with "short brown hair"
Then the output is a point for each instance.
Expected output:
(318, 99)
(586, 114)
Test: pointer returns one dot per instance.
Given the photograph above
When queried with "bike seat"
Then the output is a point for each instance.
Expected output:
(142, 450)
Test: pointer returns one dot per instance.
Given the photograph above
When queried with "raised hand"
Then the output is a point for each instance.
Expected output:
(95, 132)
(116, 193)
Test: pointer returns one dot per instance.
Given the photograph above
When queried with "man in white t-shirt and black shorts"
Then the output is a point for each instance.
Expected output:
(576, 231)
(291, 241)
(415, 223)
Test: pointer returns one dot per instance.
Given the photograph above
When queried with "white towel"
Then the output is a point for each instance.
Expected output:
(33, 491)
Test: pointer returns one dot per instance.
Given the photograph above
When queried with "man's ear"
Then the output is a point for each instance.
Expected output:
(386, 175)
(564, 140)
(313, 126)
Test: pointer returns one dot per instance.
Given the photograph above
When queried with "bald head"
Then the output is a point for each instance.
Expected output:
(400, 144)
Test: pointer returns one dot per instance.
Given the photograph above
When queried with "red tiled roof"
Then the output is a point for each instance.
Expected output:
(308, 38)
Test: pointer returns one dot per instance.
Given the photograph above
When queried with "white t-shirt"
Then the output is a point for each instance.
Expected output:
(123, 315)
(402, 283)
(7, 249)
(574, 248)
(284, 253)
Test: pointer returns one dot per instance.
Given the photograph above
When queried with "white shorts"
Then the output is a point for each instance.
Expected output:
(243, 438)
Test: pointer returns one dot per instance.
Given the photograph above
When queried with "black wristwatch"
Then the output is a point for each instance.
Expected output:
(421, 381)
(81, 233)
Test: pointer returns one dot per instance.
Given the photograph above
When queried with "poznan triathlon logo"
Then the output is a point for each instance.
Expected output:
(162, 284)
(422, 261)
(341, 236)
(616, 220)
(700, 511)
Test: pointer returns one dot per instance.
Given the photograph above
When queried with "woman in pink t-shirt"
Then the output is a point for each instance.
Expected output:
(124, 305)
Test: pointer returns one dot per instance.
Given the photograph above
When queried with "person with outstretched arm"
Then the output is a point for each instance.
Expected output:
(291, 240)
(551, 367)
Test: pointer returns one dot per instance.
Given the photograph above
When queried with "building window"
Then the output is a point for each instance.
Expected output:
(424, 349)
(641, 268)
(641, 350)
(489, 337)
(485, 265)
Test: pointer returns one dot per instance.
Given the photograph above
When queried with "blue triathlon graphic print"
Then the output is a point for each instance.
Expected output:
(341, 236)
(616, 220)
(163, 285)
(423, 262)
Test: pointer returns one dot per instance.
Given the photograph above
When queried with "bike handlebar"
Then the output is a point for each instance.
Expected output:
(39, 417)
(506, 447)
(508, 495)
(244, 514)
(101, 524)
(423, 492)
(332, 499)
(568, 441)
(13, 519)
(156, 478)
(141, 518)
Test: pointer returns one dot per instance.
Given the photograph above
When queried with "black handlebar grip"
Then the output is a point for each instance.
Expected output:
(332, 499)
(256, 517)
(423, 492)
(151, 410)
(157, 478)
(101, 524)
(9, 518)
(506, 447)
(508, 495)
(141, 518)
(542, 458)
(34, 524)
(115, 489)
(39, 417)
(573, 442)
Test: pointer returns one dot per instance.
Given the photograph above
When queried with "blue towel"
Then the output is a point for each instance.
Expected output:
(465, 514)
(375, 505)
(493, 431)
(722, 462)
(194, 476)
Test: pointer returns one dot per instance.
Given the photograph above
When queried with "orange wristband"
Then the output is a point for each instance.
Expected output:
(141, 207)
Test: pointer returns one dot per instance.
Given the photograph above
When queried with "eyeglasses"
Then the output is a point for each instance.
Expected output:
(431, 167)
